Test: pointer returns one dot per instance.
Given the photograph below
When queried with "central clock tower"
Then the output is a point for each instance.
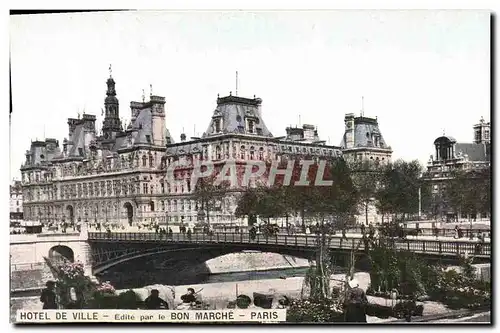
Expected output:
(112, 123)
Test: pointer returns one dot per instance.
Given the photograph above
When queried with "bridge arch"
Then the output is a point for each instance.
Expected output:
(61, 253)
(193, 254)
(129, 212)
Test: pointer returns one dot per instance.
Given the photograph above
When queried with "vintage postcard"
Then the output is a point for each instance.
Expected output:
(250, 166)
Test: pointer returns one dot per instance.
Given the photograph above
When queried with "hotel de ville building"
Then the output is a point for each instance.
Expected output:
(118, 177)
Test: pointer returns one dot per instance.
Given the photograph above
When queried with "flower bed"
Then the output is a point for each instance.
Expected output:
(460, 291)
(106, 300)
(306, 311)
(400, 310)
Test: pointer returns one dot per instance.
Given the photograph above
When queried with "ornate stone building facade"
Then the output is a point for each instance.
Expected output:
(363, 142)
(451, 155)
(119, 177)
(16, 202)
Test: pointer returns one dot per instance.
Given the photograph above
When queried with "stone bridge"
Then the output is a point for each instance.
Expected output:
(27, 251)
(112, 249)
(100, 251)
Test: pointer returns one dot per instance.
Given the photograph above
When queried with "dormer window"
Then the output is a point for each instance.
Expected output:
(217, 125)
(251, 126)
(80, 151)
(148, 138)
(486, 134)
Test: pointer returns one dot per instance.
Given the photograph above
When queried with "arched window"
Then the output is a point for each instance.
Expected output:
(252, 153)
(218, 153)
(152, 206)
(144, 159)
(242, 152)
(150, 161)
(261, 153)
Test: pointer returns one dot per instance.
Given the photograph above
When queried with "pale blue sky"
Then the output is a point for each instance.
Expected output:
(420, 71)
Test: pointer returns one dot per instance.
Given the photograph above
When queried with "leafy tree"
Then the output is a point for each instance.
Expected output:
(431, 203)
(484, 186)
(398, 192)
(209, 194)
(468, 191)
(270, 202)
(329, 206)
(247, 205)
(266, 202)
(336, 203)
(366, 176)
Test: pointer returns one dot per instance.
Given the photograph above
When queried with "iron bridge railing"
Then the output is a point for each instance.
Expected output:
(438, 247)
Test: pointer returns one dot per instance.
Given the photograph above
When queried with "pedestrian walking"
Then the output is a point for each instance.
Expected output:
(48, 297)
(355, 303)
(155, 302)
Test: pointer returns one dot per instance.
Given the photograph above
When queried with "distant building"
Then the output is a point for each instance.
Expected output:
(16, 203)
(119, 177)
(363, 142)
(451, 155)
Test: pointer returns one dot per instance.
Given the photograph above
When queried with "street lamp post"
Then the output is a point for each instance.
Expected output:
(471, 236)
(419, 203)
(166, 221)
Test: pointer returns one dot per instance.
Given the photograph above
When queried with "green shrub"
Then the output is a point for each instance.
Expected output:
(129, 300)
(306, 311)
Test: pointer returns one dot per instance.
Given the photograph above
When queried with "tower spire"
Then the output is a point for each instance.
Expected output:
(111, 123)
(362, 106)
(150, 90)
(236, 83)
(143, 96)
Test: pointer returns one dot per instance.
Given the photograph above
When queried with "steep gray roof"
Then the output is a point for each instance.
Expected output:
(364, 130)
(42, 152)
(475, 151)
(78, 141)
(233, 111)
